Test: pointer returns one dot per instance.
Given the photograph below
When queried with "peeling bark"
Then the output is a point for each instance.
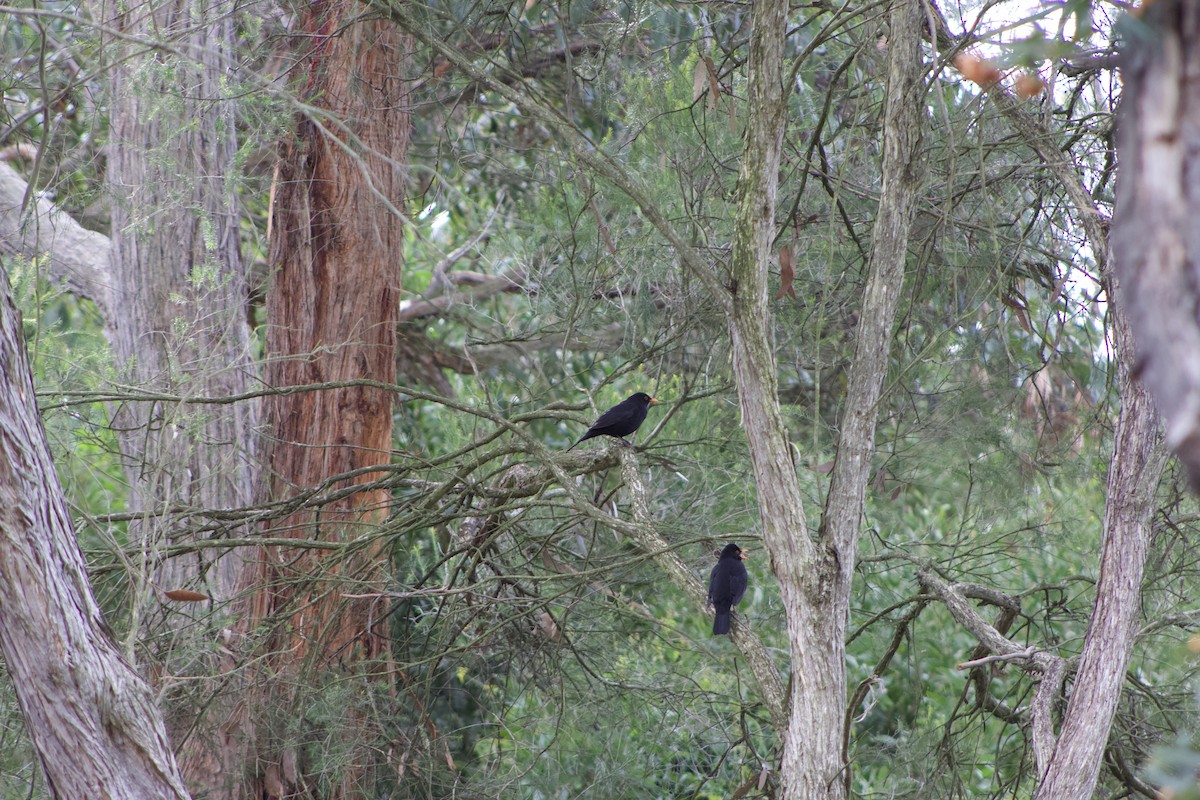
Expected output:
(336, 245)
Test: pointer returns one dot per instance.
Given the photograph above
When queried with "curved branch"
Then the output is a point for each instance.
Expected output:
(770, 682)
(32, 226)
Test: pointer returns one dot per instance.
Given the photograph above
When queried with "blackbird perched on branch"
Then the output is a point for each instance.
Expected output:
(726, 585)
(622, 419)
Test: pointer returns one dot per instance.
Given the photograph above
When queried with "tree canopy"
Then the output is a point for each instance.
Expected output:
(316, 297)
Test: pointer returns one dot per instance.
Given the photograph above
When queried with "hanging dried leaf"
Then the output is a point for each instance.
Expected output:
(1029, 85)
(787, 273)
(977, 70)
(714, 88)
(699, 80)
(1017, 303)
(185, 596)
(549, 627)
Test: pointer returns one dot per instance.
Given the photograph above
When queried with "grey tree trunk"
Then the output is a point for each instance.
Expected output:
(179, 326)
(814, 577)
(92, 718)
(1133, 477)
(1154, 247)
(177, 277)
(1155, 238)
(1147, 290)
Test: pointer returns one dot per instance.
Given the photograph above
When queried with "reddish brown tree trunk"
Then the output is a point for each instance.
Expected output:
(336, 252)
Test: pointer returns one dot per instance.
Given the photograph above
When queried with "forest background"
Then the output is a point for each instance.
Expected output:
(315, 296)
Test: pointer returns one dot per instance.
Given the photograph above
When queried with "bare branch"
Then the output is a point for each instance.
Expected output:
(770, 683)
(32, 226)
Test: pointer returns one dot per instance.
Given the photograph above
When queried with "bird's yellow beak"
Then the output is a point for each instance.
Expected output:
(653, 401)
(742, 554)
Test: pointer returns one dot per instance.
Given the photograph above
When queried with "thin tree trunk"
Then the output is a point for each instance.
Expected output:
(815, 582)
(337, 240)
(1155, 249)
(1151, 243)
(1137, 465)
(92, 718)
(812, 741)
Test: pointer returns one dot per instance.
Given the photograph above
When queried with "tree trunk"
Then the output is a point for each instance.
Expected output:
(1155, 248)
(92, 718)
(337, 239)
(812, 740)
(179, 295)
(1137, 466)
(1155, 239)
(1151, 236)
(815, 582)
(179, 284)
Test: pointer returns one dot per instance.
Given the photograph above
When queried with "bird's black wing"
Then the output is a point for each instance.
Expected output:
(622, 419)
(738, 581)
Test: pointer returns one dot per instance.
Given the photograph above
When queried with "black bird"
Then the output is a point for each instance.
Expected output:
(726, 585)
(622, 419)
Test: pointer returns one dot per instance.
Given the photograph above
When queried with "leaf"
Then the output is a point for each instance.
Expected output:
(977, 70)
(787, 273)
(714, 88)
(185, 596)
(699, 80)
(1029, 85)
(1017, 303)
(549, 627)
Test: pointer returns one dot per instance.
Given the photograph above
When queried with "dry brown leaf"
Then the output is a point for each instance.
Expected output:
(699, 80)
(1017, 303)
(549, 627)
(714, 88)
(977, 70)
(185, 596)
(1029, 85)
(787, 273)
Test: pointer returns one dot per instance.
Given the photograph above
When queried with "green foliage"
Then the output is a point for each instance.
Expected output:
(537, 652)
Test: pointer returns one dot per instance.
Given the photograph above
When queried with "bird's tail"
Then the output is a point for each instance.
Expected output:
(721, 623)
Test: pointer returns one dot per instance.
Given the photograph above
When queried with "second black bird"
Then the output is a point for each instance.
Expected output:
(622, 419)
(726, 585)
